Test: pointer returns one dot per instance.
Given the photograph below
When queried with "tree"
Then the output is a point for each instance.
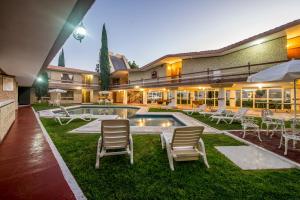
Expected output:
(61, 58)
(41, 85)
(104, 61)
(133, 65)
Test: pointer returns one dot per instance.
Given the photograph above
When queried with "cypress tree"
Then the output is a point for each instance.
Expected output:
(41, 88)
(104, 61)
(61, 58)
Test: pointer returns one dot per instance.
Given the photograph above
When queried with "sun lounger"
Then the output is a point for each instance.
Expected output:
(201, 108)
(115, 139)
(230, 117)
(66, 116)
(184, 145)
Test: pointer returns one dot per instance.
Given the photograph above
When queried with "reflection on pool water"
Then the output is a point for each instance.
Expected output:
(129, 113)
(122, 112)
(155, 120)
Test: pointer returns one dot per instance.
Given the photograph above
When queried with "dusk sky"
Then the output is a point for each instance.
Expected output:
(145, 30)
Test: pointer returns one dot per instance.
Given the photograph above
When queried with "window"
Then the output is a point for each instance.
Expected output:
(183, 97)
(154, 74)
(67, 78)
(287, 99)
(69, 95)
(8, 84)
(227, 97)
(247, 98)
(261, 98)
(199, 95)
(275, 96)
(212, 98)
(155, 96)
(238, 98)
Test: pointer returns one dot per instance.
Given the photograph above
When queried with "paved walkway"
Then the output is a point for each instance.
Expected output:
(28, 169)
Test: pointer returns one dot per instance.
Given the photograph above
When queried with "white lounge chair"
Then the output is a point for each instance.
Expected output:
(200, 108)
(230, 117)
(116, 138)
(171, 105)
(70, 117)
(184, 145)
(220, 111)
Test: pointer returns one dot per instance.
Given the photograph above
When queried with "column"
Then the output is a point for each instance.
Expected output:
(221, 98)
(125, 97)
(175, 96)
(192, 95)
(144, 97)
(232, 97)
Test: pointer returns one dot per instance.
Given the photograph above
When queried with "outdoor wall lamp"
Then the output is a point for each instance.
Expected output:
(79, 32)
(39, 79)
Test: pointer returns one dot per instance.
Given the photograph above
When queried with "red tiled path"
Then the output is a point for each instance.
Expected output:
(28, 168)
(272, 144)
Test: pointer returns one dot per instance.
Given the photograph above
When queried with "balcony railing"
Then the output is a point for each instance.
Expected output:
(221, 75)
(72, 85)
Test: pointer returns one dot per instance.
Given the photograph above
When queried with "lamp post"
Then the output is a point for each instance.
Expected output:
(79, 32)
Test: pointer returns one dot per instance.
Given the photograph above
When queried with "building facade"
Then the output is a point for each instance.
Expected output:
(218, 77)
(81, 86)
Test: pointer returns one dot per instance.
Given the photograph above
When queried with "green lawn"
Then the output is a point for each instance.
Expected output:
(42, 106)
(150, 177)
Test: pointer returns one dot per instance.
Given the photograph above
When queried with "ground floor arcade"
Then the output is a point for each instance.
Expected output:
(277, 96)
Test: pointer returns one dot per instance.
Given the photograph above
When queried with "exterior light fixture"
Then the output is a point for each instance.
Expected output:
(79, 32)
(39, 79)
(259, 86)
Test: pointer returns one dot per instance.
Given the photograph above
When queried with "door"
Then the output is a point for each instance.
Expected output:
(24, 95)
(86, 96)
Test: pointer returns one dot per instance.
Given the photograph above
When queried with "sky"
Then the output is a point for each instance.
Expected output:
(144, 30)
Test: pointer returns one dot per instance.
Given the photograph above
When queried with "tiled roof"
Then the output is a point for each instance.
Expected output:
(210, 53)
(71, 70)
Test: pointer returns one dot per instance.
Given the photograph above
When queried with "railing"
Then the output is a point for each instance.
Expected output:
(73, 84)
(221, 75)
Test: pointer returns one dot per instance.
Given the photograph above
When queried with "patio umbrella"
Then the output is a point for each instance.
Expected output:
(57, 91)
(287, 71)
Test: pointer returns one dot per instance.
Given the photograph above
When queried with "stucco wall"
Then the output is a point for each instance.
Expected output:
(161, 71)
(274, 50)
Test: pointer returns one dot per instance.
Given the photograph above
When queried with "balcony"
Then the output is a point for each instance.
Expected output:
(72, 84)
(221, 75)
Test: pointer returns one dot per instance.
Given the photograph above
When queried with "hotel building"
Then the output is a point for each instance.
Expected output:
(218, 77)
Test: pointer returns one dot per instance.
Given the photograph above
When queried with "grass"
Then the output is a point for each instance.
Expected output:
(42, 106)
(150, 177)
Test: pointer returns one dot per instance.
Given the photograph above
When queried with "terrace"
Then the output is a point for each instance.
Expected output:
(150, 176)
(208, 76)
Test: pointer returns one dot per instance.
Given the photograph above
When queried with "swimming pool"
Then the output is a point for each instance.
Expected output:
(155, 120)
(128, 113)
(122, 112)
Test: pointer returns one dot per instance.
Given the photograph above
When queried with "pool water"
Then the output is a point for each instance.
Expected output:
(155, 120)
(122, 112)
(129, 113)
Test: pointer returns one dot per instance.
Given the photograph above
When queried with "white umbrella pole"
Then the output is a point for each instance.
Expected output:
(295, 98)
